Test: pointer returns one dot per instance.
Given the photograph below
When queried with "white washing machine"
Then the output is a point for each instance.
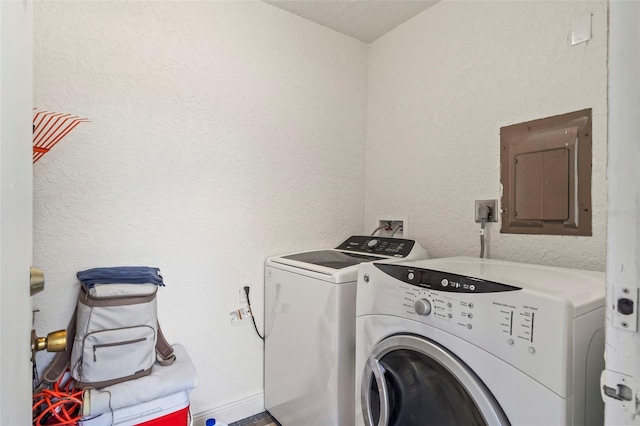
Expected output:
(309, 348)
(465, 341)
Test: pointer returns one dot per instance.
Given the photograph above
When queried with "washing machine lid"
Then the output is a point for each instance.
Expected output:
(333, 259)
(331, 265)
(340, 265)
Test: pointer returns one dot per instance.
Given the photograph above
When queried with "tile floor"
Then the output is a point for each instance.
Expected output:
(260, 419)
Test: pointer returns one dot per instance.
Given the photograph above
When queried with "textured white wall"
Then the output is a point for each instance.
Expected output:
(224, 132)
(221, 133)
(439, 89)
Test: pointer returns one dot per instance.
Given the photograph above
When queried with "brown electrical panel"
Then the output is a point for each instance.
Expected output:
(546, 175)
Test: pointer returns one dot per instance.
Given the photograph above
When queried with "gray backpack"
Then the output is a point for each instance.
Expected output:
(114, 333)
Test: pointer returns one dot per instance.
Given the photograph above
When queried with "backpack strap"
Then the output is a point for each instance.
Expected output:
(164, 351)
(60, 362)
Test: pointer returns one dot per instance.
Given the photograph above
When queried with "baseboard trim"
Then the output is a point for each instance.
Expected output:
(232, 411)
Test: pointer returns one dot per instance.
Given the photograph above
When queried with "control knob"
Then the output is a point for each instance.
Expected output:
(422, 307)
(372, 243)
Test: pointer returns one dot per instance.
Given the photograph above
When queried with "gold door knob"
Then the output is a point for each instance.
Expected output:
(36, 278)
(56, 341)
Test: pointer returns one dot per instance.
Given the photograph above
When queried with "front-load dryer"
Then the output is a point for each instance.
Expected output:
(309, 352)
(464, 341)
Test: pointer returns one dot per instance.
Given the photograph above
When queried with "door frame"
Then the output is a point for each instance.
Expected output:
(16, 197)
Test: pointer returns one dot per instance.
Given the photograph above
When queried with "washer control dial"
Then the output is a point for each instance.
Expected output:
(422, 307)
(372, 243)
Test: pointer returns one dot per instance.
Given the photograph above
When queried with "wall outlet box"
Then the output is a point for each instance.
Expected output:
(396, 226)
(492, 204)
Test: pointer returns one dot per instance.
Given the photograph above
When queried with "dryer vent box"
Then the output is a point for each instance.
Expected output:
(546, 175)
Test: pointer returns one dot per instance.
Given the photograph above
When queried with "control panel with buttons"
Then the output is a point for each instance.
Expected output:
(448, 301)
(396, 247)
(443, 281)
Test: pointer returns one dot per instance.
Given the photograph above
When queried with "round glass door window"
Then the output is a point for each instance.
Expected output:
(411, 381)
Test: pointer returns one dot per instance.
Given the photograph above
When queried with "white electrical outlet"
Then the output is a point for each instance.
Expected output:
(243, 295)
(396, 226)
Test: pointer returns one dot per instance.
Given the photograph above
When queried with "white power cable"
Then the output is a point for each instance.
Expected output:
(482, 225)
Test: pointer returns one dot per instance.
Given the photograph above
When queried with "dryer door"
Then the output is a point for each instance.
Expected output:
(412, 381)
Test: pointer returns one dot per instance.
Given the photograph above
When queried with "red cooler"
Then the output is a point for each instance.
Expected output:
(171, 410)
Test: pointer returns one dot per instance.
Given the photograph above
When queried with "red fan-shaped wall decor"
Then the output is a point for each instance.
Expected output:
(49, 128)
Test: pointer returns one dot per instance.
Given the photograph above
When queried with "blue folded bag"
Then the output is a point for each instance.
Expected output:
(121, 275)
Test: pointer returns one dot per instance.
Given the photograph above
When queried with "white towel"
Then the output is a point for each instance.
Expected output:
(163, 381)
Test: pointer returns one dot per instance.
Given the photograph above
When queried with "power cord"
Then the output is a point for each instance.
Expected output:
(246, 291)
(484, 212)
(59, 405)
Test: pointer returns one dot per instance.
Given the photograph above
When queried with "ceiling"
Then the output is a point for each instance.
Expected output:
(365, 20)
